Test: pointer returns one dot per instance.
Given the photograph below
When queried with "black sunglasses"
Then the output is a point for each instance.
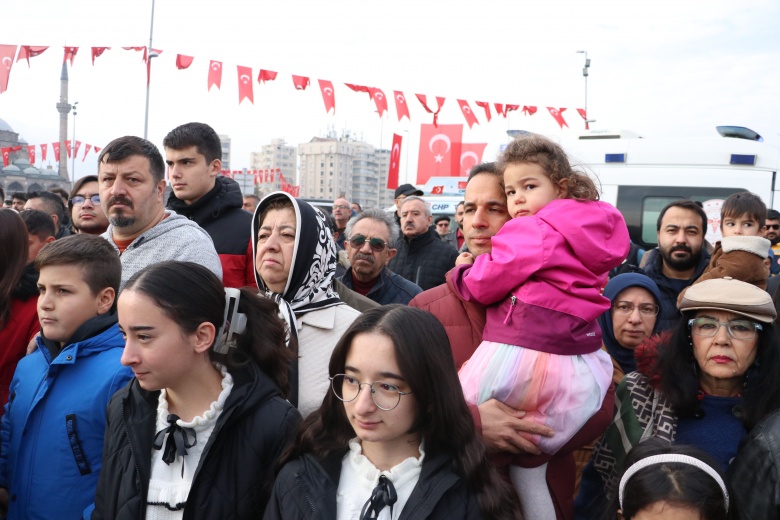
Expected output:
(376, 244)
(772, 226)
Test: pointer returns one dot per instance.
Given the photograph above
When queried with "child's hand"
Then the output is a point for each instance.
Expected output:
(464, 258)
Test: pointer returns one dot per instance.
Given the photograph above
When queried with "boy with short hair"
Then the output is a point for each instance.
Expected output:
(742, 252)
(52, 430)
(40, 231)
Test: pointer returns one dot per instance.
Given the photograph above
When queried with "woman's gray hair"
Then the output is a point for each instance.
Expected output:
(387, 218)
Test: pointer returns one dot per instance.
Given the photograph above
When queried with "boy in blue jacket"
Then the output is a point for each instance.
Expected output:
(52, 430)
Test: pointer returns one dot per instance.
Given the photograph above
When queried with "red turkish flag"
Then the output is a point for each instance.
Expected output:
(439, 100)
(70, 53)
(31, 153)
(68, 147)
(7, 53)
(6, 156)
(245, 90)
(16, 148)
(56, 148)
(401, 108)
(97, 51)
(358, 88)
(266, 75)
(529, 111)
(328, 97)
(28, 51)
(44, 149)
(379, 100)
(97, 149)
(557, 114)
(300, 82)
(471, 119)
(584, 116)
(183, 62)
(87, 148)
(462, 185)
(439, 151)
(486, 106)
(500, 109)
(511, 108)
(470, 156)
(272, 174)
(215, 74)
(395, 162)
(437, 190)
(76, 149)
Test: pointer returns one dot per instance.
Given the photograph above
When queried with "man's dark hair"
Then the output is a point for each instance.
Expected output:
(461, 203)
(772, 214)
(690, 205)
(59, 191)
(488, 167)
(93, 255)
(39, 223)
(743, 203)
(2, 195)
(199, 135)
(19, 195)
(122, 148)
(52, 202)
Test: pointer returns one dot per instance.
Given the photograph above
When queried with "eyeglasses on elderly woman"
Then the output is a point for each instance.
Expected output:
(737, 329)
(645, 309)
(386, 396)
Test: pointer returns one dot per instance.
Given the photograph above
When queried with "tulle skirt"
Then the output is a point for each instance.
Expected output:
(559, 391)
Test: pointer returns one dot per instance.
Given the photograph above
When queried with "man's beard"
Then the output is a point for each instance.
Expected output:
(774, 240)
(121, 221)
(681, 264)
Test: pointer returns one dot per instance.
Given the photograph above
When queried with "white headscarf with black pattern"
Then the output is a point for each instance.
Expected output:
(310, 282)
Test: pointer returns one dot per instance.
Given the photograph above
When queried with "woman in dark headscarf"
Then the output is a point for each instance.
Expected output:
(631, 319)
(295, 261)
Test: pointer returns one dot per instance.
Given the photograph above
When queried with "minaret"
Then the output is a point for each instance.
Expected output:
(63, 107)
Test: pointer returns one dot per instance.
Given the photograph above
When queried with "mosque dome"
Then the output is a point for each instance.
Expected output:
(5, 127)
(12, 170)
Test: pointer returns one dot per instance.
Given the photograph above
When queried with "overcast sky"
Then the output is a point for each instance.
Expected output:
(660, 67)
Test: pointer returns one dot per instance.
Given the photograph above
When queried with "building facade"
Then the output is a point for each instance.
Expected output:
(20, 175)
(225, 142)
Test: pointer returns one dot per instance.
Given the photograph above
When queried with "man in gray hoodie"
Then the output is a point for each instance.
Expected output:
(131, 176)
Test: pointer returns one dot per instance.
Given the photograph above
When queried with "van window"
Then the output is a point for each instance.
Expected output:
(651, 208)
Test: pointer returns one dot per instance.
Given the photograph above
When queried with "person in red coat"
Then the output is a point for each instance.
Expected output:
(18, 306)
(485, 212)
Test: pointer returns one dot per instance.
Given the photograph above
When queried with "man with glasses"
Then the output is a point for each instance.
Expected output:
(84, 206)
(370, 236)
(342, 212)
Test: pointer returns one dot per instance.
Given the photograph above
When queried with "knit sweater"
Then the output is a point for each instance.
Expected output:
(173, 238)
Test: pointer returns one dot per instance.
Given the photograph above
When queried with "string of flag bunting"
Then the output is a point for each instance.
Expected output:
(246, 85)
(72, 151)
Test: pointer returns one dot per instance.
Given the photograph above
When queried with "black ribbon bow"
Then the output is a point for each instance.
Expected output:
(383, 495)
(178, 440)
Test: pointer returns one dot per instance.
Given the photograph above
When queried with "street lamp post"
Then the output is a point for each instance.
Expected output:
(585, 75)
(149, 55)
(73, 147)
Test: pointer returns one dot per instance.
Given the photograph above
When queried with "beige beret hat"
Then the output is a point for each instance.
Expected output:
(730, 295)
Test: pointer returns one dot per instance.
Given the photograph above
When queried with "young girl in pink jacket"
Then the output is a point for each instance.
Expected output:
(541, 346)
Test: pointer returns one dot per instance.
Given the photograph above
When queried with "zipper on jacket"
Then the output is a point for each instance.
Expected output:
(511, 308)
(306, 494)
(135, 462)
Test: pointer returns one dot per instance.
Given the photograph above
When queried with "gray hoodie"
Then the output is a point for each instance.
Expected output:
(174, 238)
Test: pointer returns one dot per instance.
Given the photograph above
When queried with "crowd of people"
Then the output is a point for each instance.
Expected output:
(209, 354)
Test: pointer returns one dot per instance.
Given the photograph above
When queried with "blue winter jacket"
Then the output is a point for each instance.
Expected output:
(52, 430)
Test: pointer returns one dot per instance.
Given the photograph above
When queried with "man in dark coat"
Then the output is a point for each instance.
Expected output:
(193, 153)
(422, 257)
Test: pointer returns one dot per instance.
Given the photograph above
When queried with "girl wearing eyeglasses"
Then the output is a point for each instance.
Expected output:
(393, 439)
(706, 385)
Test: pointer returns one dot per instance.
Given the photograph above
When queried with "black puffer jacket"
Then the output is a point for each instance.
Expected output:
(220, 213)
(423, 260)
(755, 472)
(236, 470)
(306, 489)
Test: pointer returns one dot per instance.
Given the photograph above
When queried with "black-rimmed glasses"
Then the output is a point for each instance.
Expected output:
(386, 396)
(79, 200)
(737, 329)
(376, 244)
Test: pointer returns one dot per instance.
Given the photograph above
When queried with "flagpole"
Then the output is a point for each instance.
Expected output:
(149, 57)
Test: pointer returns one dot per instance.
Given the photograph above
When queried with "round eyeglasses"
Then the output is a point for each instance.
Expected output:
(737, 329)
(376, 244)
(386, 396)
(79, 200)
(645, 309)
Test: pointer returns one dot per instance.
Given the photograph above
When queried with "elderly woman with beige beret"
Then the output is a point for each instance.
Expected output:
(706, 385)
